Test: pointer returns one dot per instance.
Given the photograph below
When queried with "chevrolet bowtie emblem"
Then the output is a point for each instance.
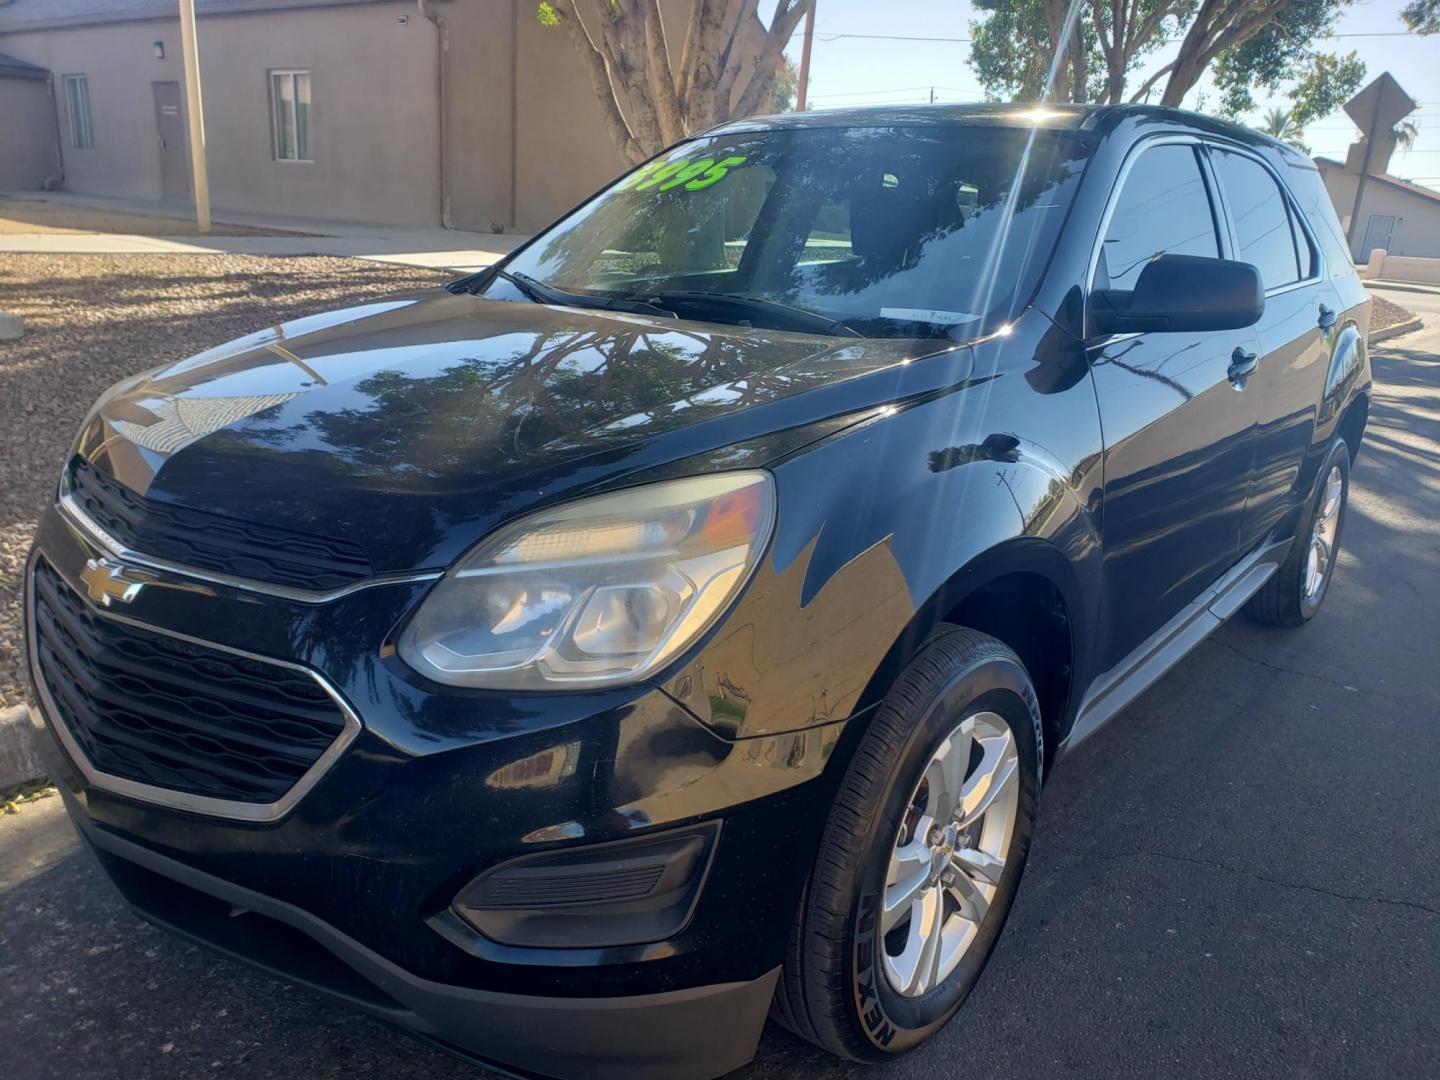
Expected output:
(106, 582)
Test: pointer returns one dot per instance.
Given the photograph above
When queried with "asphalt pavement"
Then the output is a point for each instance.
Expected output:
(1239, 876)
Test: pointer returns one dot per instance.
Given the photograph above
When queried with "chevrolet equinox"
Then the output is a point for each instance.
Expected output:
(675, 623)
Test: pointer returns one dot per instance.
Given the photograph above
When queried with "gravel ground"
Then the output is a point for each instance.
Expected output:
(1384, 314)
(91, 320)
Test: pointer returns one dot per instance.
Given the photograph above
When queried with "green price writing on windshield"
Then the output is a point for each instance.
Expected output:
(693, 175)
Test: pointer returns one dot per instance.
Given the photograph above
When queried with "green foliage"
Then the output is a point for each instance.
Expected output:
(1281, 124)
(1326, 86)
(783, 90)
(1281, 53)
(546, 14)
(1011, 51)
(1422, 16)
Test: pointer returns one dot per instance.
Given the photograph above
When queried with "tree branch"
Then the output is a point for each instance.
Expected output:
(1152, 81)
(788, 14)
(698, 73)
(594, 63)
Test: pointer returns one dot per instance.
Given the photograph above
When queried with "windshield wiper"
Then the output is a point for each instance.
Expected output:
(797, 317)
(541, 293)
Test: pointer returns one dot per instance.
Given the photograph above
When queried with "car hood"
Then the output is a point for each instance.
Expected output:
(411, 425)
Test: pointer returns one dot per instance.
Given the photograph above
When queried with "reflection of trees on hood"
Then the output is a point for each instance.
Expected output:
(563, 385)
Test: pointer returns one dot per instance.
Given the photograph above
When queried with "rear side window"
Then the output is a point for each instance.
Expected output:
(1264, 232)
(1163, 209)
(1309, 191)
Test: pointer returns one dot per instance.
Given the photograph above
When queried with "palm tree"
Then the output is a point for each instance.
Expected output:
(1404, 134)
(1280, 123)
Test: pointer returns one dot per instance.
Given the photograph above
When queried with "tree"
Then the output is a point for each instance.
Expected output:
(1280, 123)
(1405, 133)
(1244, 43)
(1422, 16)
(648, 101)
(784, 88)
(1280, 54)
(1129, 30)
(1012, 49)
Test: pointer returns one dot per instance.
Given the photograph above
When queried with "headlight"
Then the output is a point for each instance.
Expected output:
(596, 592)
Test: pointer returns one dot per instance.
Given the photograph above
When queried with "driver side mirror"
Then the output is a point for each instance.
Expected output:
(1181, 292)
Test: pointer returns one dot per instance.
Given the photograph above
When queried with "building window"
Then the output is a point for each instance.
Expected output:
(77, 100)
(290, 114)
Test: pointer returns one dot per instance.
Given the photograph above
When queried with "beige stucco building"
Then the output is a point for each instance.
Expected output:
(347, 110)
(1395, 215)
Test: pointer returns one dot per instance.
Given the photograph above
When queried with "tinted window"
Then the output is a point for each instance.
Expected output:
(1163, 209)
(1309, 191)
(1309, 260)
(1261, 216)
(898, 231)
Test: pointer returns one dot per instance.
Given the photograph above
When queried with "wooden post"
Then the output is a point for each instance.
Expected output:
(803, 84)
(201, 180)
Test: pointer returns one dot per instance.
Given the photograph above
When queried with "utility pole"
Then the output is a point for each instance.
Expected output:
(196, 115)
(803, 84)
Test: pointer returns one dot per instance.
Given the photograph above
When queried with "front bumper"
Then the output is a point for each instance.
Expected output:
(698, 1032)
(351, 891)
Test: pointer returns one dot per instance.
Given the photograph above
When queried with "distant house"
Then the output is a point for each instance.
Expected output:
(1398, 216)
(346, 110)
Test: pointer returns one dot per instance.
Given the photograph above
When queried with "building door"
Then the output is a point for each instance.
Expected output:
(1377, 235)
(170, 134)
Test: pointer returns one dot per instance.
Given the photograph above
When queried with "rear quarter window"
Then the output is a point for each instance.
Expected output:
(1314, 202)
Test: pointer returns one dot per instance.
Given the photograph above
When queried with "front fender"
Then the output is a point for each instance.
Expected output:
(885, 525)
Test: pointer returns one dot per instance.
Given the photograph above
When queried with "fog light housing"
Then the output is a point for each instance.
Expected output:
(628, 892)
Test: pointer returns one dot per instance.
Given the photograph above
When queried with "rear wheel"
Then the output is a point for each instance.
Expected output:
(1294, 593)
(922, 853)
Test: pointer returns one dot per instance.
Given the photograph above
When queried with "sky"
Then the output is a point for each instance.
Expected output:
(890, 52)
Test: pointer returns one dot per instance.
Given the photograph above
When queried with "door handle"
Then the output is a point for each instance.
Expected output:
(1327, 318)
(1242, 366)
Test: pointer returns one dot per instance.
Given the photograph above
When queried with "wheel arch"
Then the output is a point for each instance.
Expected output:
(1025, 593)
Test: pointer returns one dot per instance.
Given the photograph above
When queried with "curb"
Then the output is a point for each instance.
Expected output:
(19, 749)
(1401, 286)
(1378, 336)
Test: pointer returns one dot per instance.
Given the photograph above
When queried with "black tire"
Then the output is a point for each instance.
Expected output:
(1283, 601)
(833, 990)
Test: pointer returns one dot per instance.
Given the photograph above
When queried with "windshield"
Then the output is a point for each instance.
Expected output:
(900, 231)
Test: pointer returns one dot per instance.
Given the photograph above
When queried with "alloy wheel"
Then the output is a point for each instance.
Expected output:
(1323, 535)
(950, 853)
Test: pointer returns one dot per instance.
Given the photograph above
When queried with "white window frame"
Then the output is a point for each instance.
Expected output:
(82, 125)
(276, 150)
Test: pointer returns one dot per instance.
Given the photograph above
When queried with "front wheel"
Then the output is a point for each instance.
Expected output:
(921, 855)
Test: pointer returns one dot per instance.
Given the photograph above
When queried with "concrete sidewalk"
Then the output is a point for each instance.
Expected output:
(448, 249)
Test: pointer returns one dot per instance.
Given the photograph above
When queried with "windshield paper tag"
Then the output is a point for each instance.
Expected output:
(664, 175)
(927, 315)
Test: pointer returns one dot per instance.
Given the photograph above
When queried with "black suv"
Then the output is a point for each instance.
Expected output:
(675, 623)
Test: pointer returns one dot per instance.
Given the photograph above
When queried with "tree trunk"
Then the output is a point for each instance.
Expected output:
(1217, 27)
(1078, 63)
